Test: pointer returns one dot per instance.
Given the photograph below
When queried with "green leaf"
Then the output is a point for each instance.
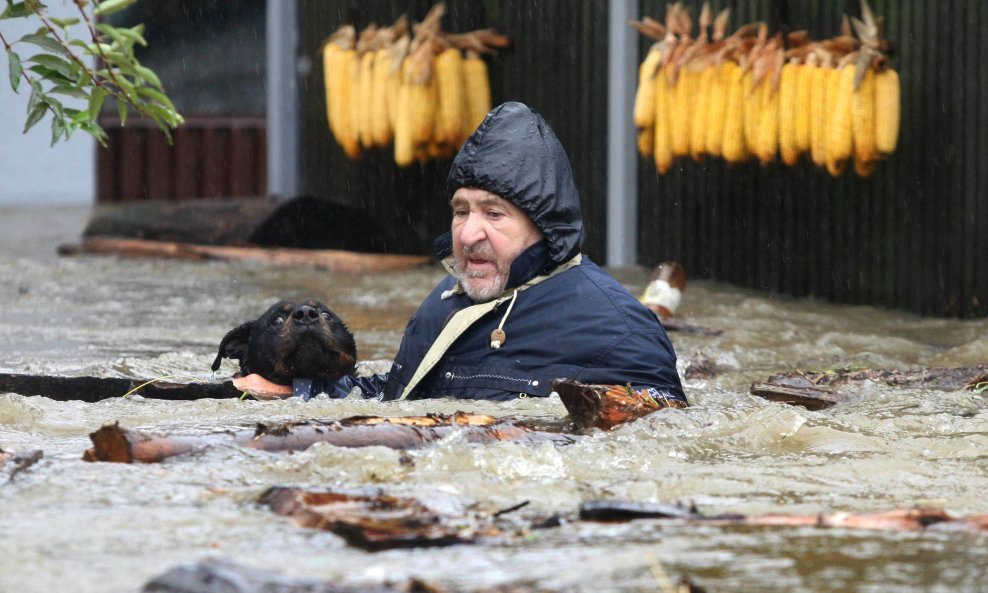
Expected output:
(16, 69)
(108, 7)
(94, 130)
(122, 111)
(117, 36)
(14, 10)
(96, 100)
(69, 91)
(49, 74)
(57, 130)
(148, 75)
(34, 115)
(44, 42)
(156, 95)
(64, 23)
(55, 63)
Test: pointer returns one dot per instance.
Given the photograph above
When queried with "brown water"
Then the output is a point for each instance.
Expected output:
(66, 525)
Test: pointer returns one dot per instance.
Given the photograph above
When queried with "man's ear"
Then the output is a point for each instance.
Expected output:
(234, 344)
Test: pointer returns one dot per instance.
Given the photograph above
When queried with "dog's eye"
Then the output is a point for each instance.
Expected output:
(278, 321)
(326, 315)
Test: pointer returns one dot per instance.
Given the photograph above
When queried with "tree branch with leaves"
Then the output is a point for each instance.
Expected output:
(63, 85)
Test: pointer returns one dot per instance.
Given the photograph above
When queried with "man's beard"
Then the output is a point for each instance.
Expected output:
(477, 287)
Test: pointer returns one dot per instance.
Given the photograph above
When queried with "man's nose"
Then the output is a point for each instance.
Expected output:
(472, 231)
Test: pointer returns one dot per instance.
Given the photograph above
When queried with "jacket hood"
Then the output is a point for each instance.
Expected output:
(516, 155)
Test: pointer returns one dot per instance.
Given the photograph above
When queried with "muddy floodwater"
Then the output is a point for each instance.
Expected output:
(68, 525)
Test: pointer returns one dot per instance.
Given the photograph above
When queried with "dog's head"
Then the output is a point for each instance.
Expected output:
(292, 341)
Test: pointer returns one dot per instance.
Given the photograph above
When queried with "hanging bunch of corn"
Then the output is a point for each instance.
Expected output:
(750, 95)
(416, 90)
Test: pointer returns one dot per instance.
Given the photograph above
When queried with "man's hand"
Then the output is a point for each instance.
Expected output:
(261, 388)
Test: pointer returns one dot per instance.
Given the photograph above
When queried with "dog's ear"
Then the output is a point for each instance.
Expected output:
(234, 344)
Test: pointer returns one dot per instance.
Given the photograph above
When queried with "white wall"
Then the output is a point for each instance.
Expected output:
(31, 170)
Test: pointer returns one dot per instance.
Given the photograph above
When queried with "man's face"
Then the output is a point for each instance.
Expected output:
(489, 232)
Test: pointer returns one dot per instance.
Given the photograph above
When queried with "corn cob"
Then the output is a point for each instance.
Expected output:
(818, 114)
(396, 60)
(887, 110)
(478, 92)
(421, 95)
(734, 113)
(662, 139)
(364, 96)
(863, 119)
(403, 141)
(451, 108)
(715, 115)
(644, 111)
(840, 141)
(768, 122)
(701, 112)
(864, 168)
(349, 65)
(646, 141)
(330, 57)
(379, 121)
(681, 101)
(802, 109)
(752, 113)
(788, 89)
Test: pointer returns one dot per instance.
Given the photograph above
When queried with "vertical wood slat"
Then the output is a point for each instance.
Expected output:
(211, 156)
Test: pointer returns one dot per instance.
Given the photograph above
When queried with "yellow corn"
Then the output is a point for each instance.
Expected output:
(734, 143)
(818, 114)
(864, 168)
(365, 78)
(680, 109)
(662, 138)
(788, 89)
(478, 92)
(422, 94)
(701, 112)
(644, 112)
(887, 110)
(840, 141)
(404, 144)
(768, 122)
(715, 111)
(451, 108)
(752, 113)
(380, 124)
(646, 141)
(803, 107)
(863, 119)
(348, 67)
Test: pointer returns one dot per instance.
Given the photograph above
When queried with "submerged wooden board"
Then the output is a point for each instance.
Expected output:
(94, 389)
(324, 259)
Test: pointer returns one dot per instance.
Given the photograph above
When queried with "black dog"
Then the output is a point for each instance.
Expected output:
(292, 341)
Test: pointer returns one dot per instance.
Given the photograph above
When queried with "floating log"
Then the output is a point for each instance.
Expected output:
(113, 443)
(303, 222)
(376, 523)
(222, 576)
(94, 389)
(893, 520)
(817, 390)
(606, 406)
(14, 463)
(323, 259)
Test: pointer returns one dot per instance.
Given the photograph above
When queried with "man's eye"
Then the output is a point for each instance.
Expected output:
(460, 212)
(494, 214)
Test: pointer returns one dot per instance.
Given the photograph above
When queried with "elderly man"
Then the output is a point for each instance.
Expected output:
(522, 306)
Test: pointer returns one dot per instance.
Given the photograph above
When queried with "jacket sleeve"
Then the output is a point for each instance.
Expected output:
(372, 387)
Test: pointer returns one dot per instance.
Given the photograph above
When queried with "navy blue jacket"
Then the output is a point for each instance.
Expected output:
(579, 324)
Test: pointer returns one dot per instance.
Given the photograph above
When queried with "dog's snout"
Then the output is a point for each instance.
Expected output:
(305, 314)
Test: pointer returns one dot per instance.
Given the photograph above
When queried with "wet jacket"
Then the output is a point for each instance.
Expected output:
(577, 323)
